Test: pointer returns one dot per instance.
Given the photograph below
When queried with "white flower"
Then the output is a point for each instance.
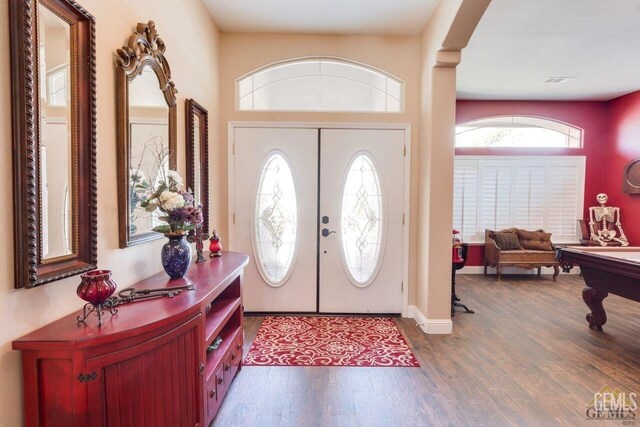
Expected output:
(175, 177)
(170, 200)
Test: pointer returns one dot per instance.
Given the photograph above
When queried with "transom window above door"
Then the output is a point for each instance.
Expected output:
(320, 84)
(518, 132)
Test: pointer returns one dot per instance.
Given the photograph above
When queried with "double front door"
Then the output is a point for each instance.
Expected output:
(320, 212)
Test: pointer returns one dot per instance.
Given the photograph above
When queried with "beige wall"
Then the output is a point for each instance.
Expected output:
(400, 56)
(447, 33)
(192, 51)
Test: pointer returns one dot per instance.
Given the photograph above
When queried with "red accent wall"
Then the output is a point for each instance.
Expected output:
(591, 116)
(622, 146)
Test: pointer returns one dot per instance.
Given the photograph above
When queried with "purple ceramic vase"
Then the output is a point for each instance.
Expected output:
(176, 256)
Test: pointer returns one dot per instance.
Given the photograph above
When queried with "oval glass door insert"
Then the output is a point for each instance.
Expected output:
(275, 221)
(362, 221)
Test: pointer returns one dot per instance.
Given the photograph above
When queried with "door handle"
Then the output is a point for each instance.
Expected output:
(326, 232)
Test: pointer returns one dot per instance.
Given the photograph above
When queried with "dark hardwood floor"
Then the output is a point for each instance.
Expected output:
(527, 357)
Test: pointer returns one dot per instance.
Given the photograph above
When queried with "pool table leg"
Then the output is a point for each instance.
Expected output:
(593, 298)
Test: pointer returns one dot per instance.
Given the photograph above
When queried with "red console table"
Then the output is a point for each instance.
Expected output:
(147, 365)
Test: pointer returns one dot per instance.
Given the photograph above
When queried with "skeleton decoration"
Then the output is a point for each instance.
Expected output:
(604, 223)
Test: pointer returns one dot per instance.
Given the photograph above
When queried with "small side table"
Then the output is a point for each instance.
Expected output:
(455, 301)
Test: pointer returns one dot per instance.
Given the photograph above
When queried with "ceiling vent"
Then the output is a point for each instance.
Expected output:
(559, 79)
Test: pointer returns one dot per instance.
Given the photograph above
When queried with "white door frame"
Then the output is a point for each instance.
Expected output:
(232, 125)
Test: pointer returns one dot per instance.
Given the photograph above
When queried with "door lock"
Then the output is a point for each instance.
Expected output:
(325, 219)
(326, 232)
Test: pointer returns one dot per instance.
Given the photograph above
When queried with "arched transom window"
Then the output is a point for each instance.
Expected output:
(518, 132)
(320, 84)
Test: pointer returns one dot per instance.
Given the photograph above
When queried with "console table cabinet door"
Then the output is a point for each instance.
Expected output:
(152, 384)
(53, 394)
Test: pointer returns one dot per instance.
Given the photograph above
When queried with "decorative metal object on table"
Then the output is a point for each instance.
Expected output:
(131, 294)
(96, 287)
(215, 247)
(459, 260)
(197, 237)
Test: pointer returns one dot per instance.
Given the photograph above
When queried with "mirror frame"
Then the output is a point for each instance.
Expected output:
(30, 269)
(144, 48)
(193, 110)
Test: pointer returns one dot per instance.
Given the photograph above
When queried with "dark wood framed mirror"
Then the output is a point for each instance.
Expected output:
(197, 152)
(146, 125)
(53, 71)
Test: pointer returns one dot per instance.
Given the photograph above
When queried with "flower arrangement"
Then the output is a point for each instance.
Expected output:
(176, 207)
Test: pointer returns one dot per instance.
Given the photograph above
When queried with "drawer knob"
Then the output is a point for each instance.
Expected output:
(227, 367)
(220, 380)
(201, 368)
(233, 356)
(238, 346)
(212, 394)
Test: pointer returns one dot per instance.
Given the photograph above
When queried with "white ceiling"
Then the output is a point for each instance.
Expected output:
(376, 17)
(520, 43)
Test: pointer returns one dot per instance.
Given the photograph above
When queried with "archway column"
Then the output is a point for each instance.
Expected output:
(447, 33)
(435, 206)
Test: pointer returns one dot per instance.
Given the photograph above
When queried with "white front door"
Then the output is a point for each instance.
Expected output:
(276, 199)
(361, 212)
(343, 256)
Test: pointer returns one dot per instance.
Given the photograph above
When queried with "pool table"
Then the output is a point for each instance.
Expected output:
(605, 270)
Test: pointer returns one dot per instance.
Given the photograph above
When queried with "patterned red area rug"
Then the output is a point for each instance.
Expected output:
(329, 341)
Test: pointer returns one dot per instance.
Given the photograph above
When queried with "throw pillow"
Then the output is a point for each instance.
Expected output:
(506, 240)
(535, 240)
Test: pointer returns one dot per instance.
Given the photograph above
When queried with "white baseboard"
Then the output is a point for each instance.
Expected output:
(479, 269)
(430, 326)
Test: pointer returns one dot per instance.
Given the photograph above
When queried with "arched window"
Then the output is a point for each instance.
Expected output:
(320, 84)
(518, 132)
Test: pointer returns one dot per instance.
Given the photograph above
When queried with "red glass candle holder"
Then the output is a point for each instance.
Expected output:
(215, 247)
(96, 287)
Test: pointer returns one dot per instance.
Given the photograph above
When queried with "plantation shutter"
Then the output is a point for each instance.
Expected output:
(465, 200)
(528, 197)
(496, 196)
(535, 192)
(562, 200)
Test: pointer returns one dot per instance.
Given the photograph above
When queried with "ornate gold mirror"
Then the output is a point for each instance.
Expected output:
(146, 102)
(54, 136)
(198, 157)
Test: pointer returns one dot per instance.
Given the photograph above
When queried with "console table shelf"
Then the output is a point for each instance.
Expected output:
(148, 362)
(221, 311)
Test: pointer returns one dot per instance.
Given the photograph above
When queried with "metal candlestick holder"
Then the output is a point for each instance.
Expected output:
(197, 238)
(98, 309)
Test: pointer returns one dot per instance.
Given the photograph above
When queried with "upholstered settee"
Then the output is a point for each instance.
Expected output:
(514, 247)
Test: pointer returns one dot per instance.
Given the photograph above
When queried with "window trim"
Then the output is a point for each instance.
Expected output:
(363, 65)
(517, 116)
